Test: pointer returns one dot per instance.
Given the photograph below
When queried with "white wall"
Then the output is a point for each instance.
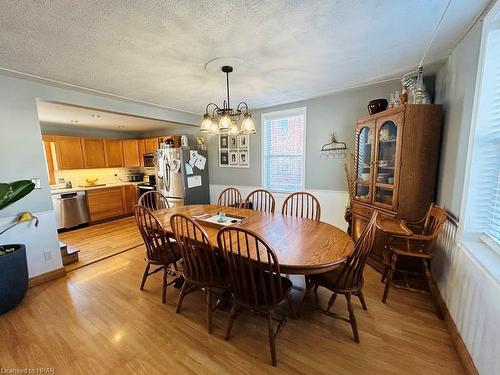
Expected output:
(22, 157)
(463, 274)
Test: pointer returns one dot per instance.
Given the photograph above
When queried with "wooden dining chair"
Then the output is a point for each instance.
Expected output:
(161, 250)
(260, 200)
(347, 279)
(230, 197)
(153, 200)
(255, 277)
(302, 204)
(202, 266)
(420, 245)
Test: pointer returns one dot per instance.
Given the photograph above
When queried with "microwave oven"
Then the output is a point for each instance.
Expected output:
(149, 159)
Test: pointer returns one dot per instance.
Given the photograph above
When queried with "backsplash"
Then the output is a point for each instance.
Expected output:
(105, 175)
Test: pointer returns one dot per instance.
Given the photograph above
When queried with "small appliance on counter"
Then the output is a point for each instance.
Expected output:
(136, 177)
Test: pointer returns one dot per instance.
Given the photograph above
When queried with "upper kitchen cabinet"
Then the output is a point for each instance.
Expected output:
(114, 152)
(93, 153)
(141, 143)
(131, 155)
(151, 145)
(69, 152)
(48, 140)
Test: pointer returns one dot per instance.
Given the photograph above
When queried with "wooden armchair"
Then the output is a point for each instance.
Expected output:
(302, 204)
(153, 201)
(417, 242)
(260, 200)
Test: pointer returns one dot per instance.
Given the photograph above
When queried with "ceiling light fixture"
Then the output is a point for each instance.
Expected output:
(73, 121)
(96, 115)
(224, 120)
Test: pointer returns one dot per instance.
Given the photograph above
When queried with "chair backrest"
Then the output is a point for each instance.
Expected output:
(229, 197)
(253, 266)
(302, 204)
(260, 200)
(153, 200)
(200, 259)
(434, 221)
(158, 245)
(352, 272)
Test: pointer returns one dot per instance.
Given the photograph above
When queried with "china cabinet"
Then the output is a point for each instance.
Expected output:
(396, 164)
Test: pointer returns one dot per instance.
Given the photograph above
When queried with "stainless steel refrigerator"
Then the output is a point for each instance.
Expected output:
(181, 177)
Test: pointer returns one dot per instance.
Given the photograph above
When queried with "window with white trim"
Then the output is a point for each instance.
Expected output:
(483, 203)
(283, 145)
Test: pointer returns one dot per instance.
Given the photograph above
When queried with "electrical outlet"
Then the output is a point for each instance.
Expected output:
(36, 181)
(47, 255)
(61, 181)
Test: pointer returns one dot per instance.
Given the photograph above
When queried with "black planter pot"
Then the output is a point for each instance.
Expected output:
(13, 278)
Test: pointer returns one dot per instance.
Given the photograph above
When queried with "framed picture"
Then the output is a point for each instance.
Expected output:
(224, 141)
(234, 151)
(244, 140)
(233, 142)
(233, 158)
(224, 158)
(243, 158)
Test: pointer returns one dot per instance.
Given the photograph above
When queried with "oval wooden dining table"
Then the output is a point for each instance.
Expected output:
(303, 246)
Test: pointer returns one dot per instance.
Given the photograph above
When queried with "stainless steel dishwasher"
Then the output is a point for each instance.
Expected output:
(71, 209)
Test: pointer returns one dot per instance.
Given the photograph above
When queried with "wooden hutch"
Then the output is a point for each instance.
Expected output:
(396, 164)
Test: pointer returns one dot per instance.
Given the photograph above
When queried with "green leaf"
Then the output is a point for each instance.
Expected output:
(10, 193)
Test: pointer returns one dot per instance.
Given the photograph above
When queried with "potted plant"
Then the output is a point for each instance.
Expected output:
(13, 263)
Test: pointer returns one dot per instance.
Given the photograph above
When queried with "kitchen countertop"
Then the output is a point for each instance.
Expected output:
(55, 190)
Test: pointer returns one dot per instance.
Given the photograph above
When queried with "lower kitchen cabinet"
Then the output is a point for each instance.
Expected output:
(106, 203)
(111, 202)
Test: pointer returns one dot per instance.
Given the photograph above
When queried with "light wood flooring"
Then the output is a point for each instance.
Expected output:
(101, 241)
(97, 321)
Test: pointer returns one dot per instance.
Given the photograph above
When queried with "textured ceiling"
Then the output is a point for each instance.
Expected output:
(156, 51)
(75, 116)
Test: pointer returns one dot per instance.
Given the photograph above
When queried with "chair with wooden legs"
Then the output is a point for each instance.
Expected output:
(260, 200)
(302, 204)
(255, 277)
(418, 246)
(160, 248)
(202, 266)
(230, 197)
(153, 201)
(347, 279)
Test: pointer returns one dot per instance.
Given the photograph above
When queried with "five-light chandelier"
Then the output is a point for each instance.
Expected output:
(224, 120)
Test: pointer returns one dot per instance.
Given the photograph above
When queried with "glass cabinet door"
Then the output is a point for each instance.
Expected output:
(364, 163)
(387, 135)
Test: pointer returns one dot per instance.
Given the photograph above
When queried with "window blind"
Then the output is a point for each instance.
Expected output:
(485, 172)
(283, 148)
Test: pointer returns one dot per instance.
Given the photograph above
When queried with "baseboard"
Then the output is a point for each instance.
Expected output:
(47, 276)
(459, 344)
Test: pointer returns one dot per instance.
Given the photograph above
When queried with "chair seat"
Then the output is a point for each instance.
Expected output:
(262, 290)
(412, 252)
(333, 280)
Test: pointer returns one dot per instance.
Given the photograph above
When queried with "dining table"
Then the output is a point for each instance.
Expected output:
(302, 246)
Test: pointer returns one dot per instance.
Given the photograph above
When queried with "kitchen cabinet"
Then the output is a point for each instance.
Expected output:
(142, 150)
(130, 197)
(151, 145)
(93, 153)
(69, 152)
(396, 161)
(131, 157)
(114, 152)
(49, 160)
(106, 203)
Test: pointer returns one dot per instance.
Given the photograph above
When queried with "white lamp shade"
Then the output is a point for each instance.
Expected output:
(225, 123)
(247, 126)
(206, 124)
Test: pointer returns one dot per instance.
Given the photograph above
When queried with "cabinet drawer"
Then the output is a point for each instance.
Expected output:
(362, 210)
(105, 203)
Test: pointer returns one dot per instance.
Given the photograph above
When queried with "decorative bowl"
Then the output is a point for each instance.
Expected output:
(377, 105)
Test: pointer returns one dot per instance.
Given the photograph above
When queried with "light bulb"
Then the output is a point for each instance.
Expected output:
(206, 124)
(247, 126)
(233, 129)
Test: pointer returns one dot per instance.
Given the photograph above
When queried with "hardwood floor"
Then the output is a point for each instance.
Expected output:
(96, 320)
(101, 241)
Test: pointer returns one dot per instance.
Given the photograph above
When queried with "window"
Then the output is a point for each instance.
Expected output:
(483, 201)
(283, 140)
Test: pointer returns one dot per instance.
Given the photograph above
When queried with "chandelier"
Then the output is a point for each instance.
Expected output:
(224, 120)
